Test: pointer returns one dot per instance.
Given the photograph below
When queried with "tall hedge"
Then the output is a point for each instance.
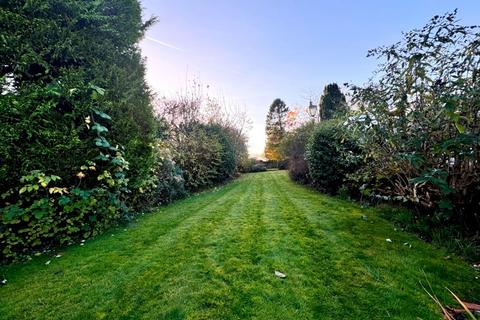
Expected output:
(50, 50)
(76, 122)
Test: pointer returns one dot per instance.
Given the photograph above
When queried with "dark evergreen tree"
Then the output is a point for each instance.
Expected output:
(332, 102)
(275, 129)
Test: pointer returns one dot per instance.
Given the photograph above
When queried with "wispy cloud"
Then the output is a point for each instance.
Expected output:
(168, 45)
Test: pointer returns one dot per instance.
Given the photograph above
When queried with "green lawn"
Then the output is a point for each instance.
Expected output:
(213, 256)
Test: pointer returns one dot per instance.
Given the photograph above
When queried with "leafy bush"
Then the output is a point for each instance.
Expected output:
(166, 183)
(45, 210)
(282, 164)
(419, 123)
(227, 166)
(246, 165)
(253, 165)
(331, 156)
(207, 142)
(170, 185)
(259, 167)
(293, 149)
(205, 155)
(199, 155)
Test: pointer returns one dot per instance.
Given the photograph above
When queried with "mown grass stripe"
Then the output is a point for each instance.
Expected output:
(213, 256)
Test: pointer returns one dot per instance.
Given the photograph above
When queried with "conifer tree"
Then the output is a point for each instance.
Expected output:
(332, 102)
(275, 129)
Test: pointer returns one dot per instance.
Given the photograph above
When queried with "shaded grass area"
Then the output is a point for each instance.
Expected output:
(213, 256)
(451, 236)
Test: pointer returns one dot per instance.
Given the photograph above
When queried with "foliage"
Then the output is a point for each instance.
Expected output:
(228, 165)
(419, 125)
(206, 141)
(253, 165)
(166, 182)
(50, 51)
(332, 103)
(170, 185)
(259, 167)
(451, 237)
(246, 165)
(205, 154)
(46, 210)
(62, 179)
(275, 129)
(331, 156)
(199, 156)
(293, 149)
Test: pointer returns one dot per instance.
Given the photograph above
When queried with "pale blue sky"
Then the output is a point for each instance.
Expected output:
(252, 52)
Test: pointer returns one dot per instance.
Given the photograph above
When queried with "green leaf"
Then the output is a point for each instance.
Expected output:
(102, 115)
(99, 128)
(102, 142)
(97, 89)
(460, 127)
(12, 212)
(102, 157)
(40, 213)
(54, 89)
(63, 200)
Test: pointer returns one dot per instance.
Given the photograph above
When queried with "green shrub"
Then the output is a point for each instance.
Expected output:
(205, 155)
(260, 167)
(227, 166)
(418, 123)
(252, 165)
(331, 156)
(170, 185)
(205, 136)
(47, 210)
(246, 165)
(293, 149)
(166, 184)
(198, 155)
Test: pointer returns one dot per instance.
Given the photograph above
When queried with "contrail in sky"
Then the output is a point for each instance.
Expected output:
(163, 43)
